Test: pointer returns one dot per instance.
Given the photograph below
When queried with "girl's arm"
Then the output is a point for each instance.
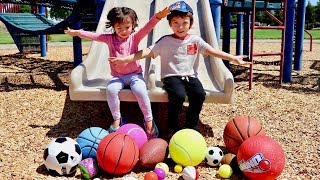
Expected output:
(144, 53)
(145, 30)
(86, 34)
(223, 55)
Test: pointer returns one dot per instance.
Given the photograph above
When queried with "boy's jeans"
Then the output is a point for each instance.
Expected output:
(178, 88)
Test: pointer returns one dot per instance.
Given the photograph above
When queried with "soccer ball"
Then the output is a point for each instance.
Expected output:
(62, 156)
(213, 156)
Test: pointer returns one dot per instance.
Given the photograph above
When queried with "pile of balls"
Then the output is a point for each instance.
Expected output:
(247, 150)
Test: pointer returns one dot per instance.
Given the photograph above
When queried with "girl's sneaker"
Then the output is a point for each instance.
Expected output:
(122, 122)
(154, 133)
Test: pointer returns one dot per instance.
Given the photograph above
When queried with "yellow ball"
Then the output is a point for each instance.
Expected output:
(163, 166)
(187, 147)
(178, 168)
(225, 171)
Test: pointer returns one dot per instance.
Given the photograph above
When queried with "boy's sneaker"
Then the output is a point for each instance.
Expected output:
(154, 133)
(122, 122)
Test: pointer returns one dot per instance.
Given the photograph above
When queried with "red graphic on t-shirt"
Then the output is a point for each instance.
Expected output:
(192, 49)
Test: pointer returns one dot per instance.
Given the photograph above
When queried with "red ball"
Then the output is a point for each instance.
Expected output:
(151, 176)
(261, 157)
(239, 129)
(117, 153)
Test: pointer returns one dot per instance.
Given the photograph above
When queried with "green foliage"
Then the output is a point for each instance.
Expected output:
(25, 8)
(310, 15)
(59, 14)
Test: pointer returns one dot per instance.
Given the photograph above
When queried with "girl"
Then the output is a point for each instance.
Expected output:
(124, 41)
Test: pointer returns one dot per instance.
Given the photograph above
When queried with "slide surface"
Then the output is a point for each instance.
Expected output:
(88, 81)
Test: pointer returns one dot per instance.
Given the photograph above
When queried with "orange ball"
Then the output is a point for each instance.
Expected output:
(151, 176)
(227, 158)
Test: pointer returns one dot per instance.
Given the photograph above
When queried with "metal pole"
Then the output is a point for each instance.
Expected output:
(226, 35)
(301, 13)
(216, 15)
(43, 38)
(239, 34)
(288, 49)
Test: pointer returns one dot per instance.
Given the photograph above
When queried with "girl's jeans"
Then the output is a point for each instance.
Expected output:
(139, 89)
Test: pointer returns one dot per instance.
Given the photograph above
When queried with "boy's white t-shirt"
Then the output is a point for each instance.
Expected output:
(179, 57)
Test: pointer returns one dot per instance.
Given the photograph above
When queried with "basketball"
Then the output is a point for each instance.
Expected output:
(117, 153)
(239, 129)
(261, 157)
(153, 152)
(89, 139)
(187, 147)
(135, 132)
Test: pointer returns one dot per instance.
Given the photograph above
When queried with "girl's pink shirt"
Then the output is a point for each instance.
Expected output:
(122, 47)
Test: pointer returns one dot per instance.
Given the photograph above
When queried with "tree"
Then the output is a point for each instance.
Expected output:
(310, 15)
(317, 13)
(59, 14)
(25, 8)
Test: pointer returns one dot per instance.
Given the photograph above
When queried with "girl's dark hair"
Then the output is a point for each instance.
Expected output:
(176, 13)
(119, 14)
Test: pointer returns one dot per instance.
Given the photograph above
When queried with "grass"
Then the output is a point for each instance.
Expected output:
(5, 37)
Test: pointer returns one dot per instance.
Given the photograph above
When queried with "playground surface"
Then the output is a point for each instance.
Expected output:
(36, 108)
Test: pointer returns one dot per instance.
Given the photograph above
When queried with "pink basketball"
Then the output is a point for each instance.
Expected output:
(135, 132)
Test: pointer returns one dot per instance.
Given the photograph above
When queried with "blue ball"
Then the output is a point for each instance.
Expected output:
(89, 140)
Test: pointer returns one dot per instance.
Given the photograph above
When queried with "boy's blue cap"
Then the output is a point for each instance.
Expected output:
(181, 6)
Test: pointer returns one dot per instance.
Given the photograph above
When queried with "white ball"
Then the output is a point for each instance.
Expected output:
(190, 173)
(213, 156)
(62, 156)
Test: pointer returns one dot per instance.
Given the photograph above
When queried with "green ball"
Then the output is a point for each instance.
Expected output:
(187, 147)
(225, 171)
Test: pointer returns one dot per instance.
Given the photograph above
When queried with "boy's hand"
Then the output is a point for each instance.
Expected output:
(239, 60)
(71, 32)
(163, 13)
(116, 60)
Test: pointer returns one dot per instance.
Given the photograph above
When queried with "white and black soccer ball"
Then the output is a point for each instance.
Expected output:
(213, 156)
(62, 156)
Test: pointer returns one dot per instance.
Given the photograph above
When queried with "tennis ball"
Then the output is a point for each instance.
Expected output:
(178, 168)
(163, 166)
(187, 147)
(225, 171)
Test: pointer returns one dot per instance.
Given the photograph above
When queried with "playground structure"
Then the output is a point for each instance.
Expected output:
(219, 85)
(246, 10)
(29, 30)
(89, 79)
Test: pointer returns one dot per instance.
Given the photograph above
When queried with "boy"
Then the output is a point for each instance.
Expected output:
(179, 53)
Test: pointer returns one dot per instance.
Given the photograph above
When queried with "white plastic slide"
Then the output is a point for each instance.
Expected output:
(88, 81)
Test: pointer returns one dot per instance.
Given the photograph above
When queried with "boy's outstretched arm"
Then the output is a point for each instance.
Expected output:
(223, 55)
(144, 53)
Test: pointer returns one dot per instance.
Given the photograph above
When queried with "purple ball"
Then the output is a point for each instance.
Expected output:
(88, 168)
(160, 173)
(135, 132)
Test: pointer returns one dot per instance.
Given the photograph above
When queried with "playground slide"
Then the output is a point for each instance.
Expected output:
(88, 80)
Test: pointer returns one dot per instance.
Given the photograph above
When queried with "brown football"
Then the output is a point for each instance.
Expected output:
(153, 152)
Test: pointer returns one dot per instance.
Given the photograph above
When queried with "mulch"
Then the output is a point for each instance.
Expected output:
(36, 108)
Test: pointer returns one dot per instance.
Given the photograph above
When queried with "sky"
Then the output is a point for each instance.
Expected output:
(313, 2)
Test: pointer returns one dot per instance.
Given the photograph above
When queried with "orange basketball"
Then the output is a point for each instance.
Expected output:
(117, 153)
(239, 129)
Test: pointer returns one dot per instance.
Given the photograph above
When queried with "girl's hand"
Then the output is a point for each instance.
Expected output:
(71, 32)
(163, 13)
(239, 60)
